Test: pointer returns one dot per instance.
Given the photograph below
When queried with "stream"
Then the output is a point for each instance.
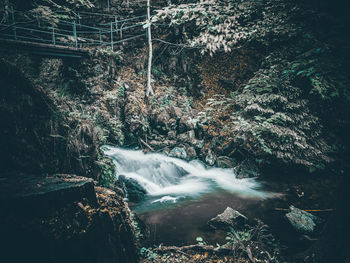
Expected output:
(182, 196)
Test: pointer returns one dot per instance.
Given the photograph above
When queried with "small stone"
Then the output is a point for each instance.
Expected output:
(229, 218)
(163, 121)
(225, 162)
(187, 137)
(199, 144)
(191, 153)
(172, 135)
(176, 112)
(301, 220)
(178, 152)
(186, 124)
(210, 158)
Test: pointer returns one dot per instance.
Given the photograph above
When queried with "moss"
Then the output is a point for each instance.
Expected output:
(107, 170)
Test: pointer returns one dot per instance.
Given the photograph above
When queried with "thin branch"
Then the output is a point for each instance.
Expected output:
(179, 45)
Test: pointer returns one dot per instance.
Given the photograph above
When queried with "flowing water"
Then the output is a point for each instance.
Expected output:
(182, 196)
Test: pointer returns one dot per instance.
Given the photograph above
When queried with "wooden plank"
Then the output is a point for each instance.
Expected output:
(51, 50)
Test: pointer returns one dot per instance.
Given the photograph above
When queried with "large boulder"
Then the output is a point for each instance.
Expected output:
(133, 190)
(301, 220)
(247, 169)
(230, 218)
(62, 218)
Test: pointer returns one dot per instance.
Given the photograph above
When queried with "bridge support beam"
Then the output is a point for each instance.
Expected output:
(112, 46)
(14, 23)
(53, 36)
(75, 34)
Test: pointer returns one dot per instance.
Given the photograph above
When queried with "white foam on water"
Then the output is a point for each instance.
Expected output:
(165, 199)
(167, 177)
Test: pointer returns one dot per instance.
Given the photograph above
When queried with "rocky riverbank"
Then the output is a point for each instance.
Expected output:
(62, 218)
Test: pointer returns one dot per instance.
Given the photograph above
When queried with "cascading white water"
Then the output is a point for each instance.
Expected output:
(168, 179)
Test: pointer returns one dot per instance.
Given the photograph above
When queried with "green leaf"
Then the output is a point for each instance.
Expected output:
(312, 169)
(199, 239)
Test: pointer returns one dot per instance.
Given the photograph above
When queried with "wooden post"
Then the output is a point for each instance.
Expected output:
(79, 19)
(121, 32)
(53, 36)
(108, 6)
(112, 36)
(116, 25)
(13, 23)
(75, 34)
(100, 36)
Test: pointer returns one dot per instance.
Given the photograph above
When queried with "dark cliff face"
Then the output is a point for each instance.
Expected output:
(25, 123)
(52, 218)
(37, 136)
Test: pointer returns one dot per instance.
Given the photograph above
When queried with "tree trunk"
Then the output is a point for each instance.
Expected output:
(150, 51)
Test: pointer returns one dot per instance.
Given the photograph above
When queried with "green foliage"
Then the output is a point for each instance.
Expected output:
(107, 169)
(108, 52)
(148, 253)
(280, 125)
(234, 236)
(221, 25)
(200, 241)
(137, 231)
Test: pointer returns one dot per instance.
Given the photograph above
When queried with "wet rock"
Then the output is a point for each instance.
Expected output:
(210, 158)
(229, 218)
(172, 124)
(191, 152)
(156, 144)
(162, 121)
(134, 191)
(302, 221)
(171, 143)
(187, 137)
(247, 169)
(37, 194)
(178, 152)
(198, 144)
(225, 162)
(117, 189)
(172, 135)
(186, 123)
(176, 112)
(162, 144)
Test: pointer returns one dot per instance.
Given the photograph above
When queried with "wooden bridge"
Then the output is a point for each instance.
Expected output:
(72, 37)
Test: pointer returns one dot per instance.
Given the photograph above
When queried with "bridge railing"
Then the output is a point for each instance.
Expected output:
(78, 33)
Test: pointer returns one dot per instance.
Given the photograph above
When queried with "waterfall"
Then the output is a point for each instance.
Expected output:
(167, 178)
